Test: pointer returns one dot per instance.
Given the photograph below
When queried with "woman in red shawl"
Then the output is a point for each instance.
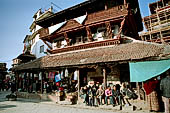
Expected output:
(152, 96)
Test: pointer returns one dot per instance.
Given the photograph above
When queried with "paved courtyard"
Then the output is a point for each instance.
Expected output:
(35, 106)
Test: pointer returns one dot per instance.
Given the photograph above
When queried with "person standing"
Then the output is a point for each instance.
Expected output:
(151, 92)
(165, 89)
(13, 87)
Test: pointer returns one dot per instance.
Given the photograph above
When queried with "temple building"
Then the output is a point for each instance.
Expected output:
(90, 43)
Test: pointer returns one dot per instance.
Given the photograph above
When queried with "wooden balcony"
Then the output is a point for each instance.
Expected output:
(112, 14)
(86, 46)
(107, 15)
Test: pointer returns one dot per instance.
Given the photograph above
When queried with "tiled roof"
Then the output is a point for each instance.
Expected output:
(103, 54)
(123, 52)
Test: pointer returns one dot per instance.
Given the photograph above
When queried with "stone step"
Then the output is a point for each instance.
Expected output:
(65, 102)
(129, 108)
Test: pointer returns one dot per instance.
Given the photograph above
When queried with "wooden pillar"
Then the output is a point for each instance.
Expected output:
(138, 89)
(28, 83)
(78, 78)
(17, 80)
(104, 78)
(41, 75)
(32, 82)
(89, 34)
(144, 92)
(66, 38)
(32, 77)
(78, 73)
(109, 30)
(47, 44)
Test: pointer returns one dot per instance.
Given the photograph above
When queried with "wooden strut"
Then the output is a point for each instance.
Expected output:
(66, 38)
(47, 44)
(121, 27)
(109, 30)
(89, 34)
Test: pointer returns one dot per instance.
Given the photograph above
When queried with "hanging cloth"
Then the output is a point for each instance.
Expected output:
(62, 74)
(75, 75)
(40, 75)
(57, 77)
(51, 75)
(66, 72)
(150, 86)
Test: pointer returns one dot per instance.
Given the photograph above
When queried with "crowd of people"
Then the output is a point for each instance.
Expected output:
(98, 95)
(7, 85)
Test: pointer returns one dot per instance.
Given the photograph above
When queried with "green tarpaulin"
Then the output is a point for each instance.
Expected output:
(142, 71)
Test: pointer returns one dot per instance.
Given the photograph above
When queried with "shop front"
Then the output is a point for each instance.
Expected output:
(69, 71)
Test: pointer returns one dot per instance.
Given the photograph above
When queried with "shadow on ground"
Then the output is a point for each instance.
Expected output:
(22, 100)
(4, 106)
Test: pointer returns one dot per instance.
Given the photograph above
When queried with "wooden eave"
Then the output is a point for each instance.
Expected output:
(82, 9)
(73, 8)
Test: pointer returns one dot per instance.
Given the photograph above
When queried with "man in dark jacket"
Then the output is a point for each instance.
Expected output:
(165, 89)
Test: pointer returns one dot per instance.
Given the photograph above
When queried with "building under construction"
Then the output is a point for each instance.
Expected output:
(158, 23)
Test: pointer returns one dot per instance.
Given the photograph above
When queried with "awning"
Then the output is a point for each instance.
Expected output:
(142, 71)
